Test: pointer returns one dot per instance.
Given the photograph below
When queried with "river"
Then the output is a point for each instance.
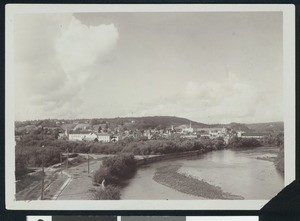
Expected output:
(236, 171)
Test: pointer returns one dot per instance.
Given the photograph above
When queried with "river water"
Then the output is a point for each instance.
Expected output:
(235, 171)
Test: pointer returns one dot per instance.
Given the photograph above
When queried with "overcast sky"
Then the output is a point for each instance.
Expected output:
(208, 67)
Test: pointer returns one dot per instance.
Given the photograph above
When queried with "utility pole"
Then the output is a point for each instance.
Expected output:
(60, 162)
(43, 174)
(67, 157)
(88, 159)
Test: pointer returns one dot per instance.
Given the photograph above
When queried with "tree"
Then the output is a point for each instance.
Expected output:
(94, 122)
(99, 129)
(279, 140)
(279, 162)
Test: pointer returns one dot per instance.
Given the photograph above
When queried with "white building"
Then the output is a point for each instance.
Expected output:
(104, 137)
(83, 137)
(239, 133)
(90, 137)
(189, 136)
(254, 135)
(213, 132)
(148, 134)
(188, 129)
(76, 137)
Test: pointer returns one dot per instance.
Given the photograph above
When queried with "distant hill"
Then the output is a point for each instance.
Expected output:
(168, 121)
(254, 127)
(234, 126)
(239, 127)
(153, 122)
(267, 127)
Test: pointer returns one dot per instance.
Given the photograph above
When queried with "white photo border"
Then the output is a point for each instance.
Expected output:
(288, 11)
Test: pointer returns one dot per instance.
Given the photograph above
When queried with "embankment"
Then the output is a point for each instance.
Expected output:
(147, 160)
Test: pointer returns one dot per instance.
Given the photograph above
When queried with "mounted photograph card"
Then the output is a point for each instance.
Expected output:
(148, 107)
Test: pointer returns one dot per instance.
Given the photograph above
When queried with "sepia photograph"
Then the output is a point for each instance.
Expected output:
(149, 106)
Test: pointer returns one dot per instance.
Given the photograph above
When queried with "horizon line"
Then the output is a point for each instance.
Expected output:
(84, 118)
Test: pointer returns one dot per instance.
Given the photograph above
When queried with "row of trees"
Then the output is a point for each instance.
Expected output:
(30, 153)
(236, 142)
(279, 162)
(172, 146)
(271, 140)
(30, 150)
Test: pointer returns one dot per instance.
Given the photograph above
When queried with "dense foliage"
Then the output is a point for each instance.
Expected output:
(29, 152)
(26, 179)
(109, 193)
(113, 171)
(172, 146)
(279, 162)
(236, 142)
(116, 169)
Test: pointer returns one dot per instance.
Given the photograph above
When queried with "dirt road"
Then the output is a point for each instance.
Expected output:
(80, 184)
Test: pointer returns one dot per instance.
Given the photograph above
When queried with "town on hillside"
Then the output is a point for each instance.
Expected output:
(105, 131)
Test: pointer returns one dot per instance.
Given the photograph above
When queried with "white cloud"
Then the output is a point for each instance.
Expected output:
(79, 45)
(219, 102)
(55, 57)
(66, 68)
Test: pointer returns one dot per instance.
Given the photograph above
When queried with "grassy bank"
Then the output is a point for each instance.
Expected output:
(27, 180)
(169, 176)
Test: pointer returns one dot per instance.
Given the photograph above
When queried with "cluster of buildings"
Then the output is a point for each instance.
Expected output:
(91, 136)
(255, 135)
(182, 131)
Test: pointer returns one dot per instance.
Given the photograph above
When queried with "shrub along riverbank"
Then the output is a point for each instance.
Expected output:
(30, 153)
(112, 173)
(236, 143)
(279, 161)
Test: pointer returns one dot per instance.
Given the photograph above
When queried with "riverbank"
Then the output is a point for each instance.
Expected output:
(271, 154)
(212, 175)
(270, 159)
(168, 176)
(147, 160)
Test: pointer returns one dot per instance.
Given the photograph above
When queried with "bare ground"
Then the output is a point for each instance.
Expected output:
(72, 183)
(81, 185)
